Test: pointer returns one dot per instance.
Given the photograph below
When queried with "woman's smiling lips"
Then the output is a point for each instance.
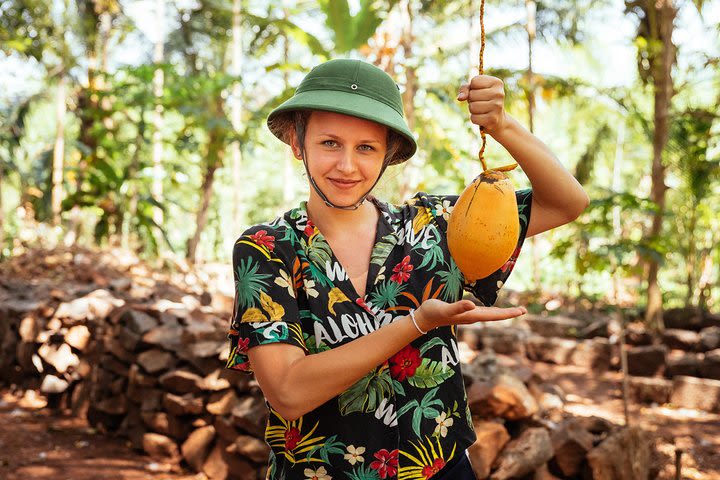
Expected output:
(343, 184)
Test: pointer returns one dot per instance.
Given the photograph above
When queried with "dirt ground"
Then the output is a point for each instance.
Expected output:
(36, 443)
(697, 433)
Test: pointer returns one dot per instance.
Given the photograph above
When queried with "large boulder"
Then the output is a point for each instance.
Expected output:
(646, 361)
(523, 455)
(196, 447)
(491, 438)
(685, 318)
(555, 326)
(593, 354)
(710, 367)
(698, 393)
(551, 350)
(683, 364)
(709, 338)
(571, 442)
(504, 396)
(506, 341)
(624, 455)
(161, 448)
(687, 340)
(650, 390)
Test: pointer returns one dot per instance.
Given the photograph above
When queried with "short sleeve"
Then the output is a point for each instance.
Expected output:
(485, 289)
(265, 308)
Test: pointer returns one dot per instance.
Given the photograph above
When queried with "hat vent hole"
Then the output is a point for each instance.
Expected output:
(354, 86)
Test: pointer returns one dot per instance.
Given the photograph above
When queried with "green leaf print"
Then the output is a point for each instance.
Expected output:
(249, 283)
(432, 256)
(319, 250)
(430, 374)
(312, 345)
(317, 274)
(426, 409)
(433, 342)
(386, 294)
(363, 472)
(452, 278)
(307, 314)
(367, 393)
(382, 249)
(326, 448)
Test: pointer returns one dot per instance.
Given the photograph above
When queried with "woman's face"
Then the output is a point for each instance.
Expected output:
(344, 155)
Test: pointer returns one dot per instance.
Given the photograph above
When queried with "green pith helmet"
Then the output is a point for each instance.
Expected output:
(350, 87)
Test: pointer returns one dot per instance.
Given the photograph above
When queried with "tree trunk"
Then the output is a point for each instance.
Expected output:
(128, 240)
(661, 17)
(530, 27)
(59, 150)
(158, 83)
(236, 119)
(214, 156)
(705, 284)
(412, 167)
(616, 212)
(202, 213)
(289, 158)
(2, 211)
(691, 261)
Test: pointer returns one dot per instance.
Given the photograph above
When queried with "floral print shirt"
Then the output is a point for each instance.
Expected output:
(406, 418)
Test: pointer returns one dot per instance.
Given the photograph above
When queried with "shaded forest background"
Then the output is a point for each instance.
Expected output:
(140, 124)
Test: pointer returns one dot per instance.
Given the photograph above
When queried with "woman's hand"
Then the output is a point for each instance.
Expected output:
(435, 313)
(486, 102)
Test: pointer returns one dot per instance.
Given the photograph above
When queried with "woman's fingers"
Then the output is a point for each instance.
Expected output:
(489, 314)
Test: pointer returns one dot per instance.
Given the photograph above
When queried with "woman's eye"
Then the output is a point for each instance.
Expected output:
(367, 148)
(330, 143)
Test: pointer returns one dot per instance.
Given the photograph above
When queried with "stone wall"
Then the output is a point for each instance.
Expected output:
(153, 371)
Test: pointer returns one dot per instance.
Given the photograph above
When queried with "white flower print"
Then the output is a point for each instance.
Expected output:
(442, 424)
(285, 281)
(444, 209)
(319, 474)
(380, 275)
(354, 454)
(310, 288)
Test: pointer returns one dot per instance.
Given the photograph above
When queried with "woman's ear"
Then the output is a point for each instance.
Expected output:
(294, 144)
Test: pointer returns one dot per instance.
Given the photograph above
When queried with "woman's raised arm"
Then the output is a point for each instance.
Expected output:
(295, 383)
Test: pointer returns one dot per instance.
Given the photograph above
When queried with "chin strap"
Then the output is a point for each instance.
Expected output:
(324, 198)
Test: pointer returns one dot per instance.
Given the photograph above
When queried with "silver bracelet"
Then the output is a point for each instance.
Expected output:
(412, 317)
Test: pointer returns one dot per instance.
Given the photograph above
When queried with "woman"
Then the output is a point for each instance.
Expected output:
(347, 307)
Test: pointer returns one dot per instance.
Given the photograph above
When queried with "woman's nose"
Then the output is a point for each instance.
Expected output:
(346, 162)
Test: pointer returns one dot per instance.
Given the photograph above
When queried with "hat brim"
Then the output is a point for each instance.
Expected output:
(351, 104)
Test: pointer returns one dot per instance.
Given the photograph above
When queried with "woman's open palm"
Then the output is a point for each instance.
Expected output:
(436, 313)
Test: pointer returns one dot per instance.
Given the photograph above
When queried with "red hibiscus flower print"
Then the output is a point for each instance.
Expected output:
(361, 302)
(243, 344)
(430, 470)
(292, 437)
(511, 262)
(402, 270)
(386, 463)
(263, 239)
(404, 363)
(309, 228)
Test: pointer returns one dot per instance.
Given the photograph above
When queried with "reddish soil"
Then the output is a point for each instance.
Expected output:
(697, 433)
(37, 443)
